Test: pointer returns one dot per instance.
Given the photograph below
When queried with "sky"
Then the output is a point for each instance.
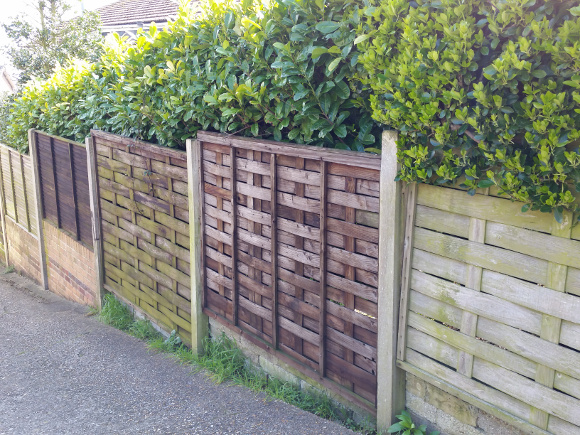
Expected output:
(11, 8)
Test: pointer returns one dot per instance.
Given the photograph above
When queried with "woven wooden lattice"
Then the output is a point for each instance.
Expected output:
(144, 217)
(308, 218)
(493, 307)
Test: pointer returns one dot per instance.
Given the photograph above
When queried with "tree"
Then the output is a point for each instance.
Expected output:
(42, 41)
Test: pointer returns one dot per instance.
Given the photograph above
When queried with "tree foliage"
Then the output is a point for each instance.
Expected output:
(40, 42)
(6, 101)
(486, 92)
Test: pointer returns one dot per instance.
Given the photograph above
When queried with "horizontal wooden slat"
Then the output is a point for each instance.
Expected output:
(476, 302)
(473, 346)
(476, 389)
(485, 256)
(527, 391)
(555, 249)
(299, 203)
(360, 202)
(352, 259)
(483, 207)
(533, 348)
(442, 221)
(298, 255)
(352, 287)
(353, 230)
(451, 270)
(539, 298)
(299, 331)
(253, 191)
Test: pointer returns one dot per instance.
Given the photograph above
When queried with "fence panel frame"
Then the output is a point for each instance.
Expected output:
(474, 223)
(329, 156)
(158, 165)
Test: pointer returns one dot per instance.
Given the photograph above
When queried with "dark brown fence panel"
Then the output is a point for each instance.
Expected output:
(63, 173)
(17, 188)
(291, 254)
(145, 228)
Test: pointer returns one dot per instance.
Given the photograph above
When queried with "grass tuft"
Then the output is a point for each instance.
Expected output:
(116, 314)
(225, 362)
(143, 330)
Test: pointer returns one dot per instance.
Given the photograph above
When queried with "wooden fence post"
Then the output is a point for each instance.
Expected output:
(3, 211)
(96, 218)
(38, 202)
(199, 321)
(390, 379)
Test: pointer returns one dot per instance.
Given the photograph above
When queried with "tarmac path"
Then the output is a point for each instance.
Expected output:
(64, 372)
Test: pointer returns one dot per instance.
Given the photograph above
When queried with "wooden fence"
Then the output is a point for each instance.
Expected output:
(145, 231)
(319, 257)
(17, 188)
(491, 307)
(290, 254)
(64, 185)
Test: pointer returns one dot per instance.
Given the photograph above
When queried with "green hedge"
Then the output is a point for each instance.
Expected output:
(283, 72)
(486, 92)
(483, 93)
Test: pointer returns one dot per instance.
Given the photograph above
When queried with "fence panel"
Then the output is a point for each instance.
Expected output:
(493, 309)
(145, 227)
(62, 166)
(291, 253)
(17, 188)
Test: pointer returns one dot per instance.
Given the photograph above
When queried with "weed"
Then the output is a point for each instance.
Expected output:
(9, 269)
(143, 330)
(405, 426)
(170, 345)
(225, 362)
(116, 314)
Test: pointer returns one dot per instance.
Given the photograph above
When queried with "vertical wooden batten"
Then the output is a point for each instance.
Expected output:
(410, 210)
(390, 379)
(233, 178)
(323, 269)
(199, 321)
(38, 202)
(274, 246)
(74, 190)
(96, 219)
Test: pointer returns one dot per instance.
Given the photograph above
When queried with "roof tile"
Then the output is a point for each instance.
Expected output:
(125, 12)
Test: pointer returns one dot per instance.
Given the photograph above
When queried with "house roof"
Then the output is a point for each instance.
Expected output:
(126, 12)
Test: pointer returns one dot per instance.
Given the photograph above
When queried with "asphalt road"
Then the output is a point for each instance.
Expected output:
(63, 372)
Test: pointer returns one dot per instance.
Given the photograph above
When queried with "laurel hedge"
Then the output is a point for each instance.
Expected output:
(484, 93)
(281, 72)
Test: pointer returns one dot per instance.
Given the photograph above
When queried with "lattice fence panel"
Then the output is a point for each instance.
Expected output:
(290, 254)
(145, 225)
(494, 307)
